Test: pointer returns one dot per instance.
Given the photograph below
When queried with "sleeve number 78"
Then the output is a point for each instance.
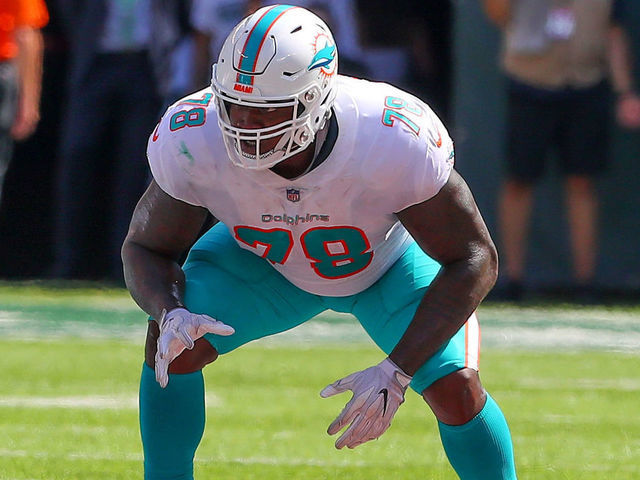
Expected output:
(334, 252)
(401, 110)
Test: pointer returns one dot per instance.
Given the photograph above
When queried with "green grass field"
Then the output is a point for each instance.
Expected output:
(566, 377)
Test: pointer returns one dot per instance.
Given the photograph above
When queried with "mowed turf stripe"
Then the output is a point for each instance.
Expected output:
(88, 402)
(279, 461)
(85, 402)
(40, 311)
(500, 329)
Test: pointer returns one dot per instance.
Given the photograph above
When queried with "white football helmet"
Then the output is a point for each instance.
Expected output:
(280, 56)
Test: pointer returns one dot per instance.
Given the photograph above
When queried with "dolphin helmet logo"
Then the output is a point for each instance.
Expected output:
(324, 56)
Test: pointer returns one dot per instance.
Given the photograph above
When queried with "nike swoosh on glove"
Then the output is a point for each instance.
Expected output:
(378, 391)
(179, 329)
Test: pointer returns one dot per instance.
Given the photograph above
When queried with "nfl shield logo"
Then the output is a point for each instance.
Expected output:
(293, 194)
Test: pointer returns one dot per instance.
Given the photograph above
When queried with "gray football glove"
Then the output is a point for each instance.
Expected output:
(378, 391)
(179, 329)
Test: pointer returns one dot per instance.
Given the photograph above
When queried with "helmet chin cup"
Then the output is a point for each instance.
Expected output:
(280, 56)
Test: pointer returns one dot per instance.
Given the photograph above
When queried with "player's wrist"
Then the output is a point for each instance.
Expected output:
(390, 368)
(169, 311)
(177, 309)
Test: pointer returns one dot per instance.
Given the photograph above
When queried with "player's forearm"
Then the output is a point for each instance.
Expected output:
(447, 304)
(154, 281)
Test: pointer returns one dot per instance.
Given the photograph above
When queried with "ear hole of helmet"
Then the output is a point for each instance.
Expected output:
(310, 97)
(302, 136)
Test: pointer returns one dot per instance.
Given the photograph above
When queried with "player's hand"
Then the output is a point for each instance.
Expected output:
(377, 393)
(179, 329)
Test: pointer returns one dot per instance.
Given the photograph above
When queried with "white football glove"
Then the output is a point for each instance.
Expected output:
(378, 391)
(179, 329)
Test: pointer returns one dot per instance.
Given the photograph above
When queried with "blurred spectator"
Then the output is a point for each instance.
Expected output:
(555, 60)
(212, 20)
(341, 17)
(21, 48)
(624, 64)
(112, 106)
(26, 211)
(172, 49)
(409, 46)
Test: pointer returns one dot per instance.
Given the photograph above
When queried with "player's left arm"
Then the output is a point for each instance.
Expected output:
(451, 230)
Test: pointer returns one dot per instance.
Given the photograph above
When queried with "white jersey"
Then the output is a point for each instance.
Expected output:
(332, 231)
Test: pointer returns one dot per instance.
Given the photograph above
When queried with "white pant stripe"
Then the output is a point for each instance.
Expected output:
(472, 342)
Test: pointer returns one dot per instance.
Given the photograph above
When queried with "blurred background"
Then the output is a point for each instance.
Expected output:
(72, 184)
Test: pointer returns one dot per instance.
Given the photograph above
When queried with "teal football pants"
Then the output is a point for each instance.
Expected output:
(242, 290)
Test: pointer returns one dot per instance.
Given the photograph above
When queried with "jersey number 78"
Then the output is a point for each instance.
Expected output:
(334, 252)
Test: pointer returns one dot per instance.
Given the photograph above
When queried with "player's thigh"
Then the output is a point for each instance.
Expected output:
(584, 147)
(242, 290)
(386, 309)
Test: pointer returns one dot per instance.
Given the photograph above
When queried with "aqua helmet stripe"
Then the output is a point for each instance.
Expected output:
(255, 40)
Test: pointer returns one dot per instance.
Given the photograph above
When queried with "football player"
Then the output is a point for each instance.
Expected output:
(331, 193)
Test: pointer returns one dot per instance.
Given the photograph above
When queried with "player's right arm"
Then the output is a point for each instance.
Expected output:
(162, 229)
